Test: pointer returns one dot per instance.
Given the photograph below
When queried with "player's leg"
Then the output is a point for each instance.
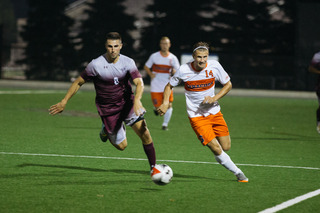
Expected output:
(168, 114)
(318, 112)
(225, 160)
(114, 130)
(156, 101)
(121, 146)
(207, 136)
(221, 131)
(225, 142)
(119, 139)
(141, 129)
(167, 117)
(318, 120)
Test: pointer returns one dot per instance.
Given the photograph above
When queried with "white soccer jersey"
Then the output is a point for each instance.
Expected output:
(198, 85)
(161, 66)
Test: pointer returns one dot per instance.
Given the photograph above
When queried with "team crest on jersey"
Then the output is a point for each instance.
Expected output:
(116, 80)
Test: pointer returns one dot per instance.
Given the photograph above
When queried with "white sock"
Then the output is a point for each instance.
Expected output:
(167, 117)
(226, 161)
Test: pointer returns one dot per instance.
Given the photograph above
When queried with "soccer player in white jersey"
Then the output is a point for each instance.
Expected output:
(160, 67)
(203, 109)
(115, 101)
(314, 67)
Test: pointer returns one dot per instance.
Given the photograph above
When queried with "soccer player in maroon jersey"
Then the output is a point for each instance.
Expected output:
(314, 67)
(115, 101)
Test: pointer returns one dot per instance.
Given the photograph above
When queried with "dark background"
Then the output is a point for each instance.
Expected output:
(256, 70)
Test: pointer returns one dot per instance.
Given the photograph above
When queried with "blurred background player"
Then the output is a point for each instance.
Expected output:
(314, 67)
(203, 109)
(115, 101)
(160, 67)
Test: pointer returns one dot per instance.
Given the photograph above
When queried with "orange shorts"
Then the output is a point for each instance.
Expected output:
(157, 98)
(210, 127)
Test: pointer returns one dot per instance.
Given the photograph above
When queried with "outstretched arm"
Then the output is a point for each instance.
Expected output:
(165, 103)
(224, 90)
(137, 105)
(59, 107)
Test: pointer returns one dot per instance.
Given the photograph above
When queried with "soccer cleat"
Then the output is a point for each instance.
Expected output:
(155, 112)
(165, 128)
(242, 178)
(154, 171)
(103, 135)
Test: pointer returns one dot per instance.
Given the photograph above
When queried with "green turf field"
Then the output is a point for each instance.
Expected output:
(58, 164)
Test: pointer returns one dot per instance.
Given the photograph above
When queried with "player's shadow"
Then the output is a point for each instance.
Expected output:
(119, 171)
(83, 168)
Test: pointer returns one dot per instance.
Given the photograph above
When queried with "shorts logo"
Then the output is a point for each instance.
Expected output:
(201, 138)
(155, 101)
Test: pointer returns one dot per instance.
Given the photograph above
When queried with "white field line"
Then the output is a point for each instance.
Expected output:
(291, 202)
(23, 92)
(269, 210)
(142, 159)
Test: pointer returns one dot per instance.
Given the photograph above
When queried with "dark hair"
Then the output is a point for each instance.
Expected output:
(114, 36)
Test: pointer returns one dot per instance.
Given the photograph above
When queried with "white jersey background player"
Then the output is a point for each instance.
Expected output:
(160, 67)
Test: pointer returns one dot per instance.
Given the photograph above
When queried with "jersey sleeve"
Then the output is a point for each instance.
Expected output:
(133, 70)
(149, 63)
(175, 79)
(176, 63)
(89, 73)
(221, 75)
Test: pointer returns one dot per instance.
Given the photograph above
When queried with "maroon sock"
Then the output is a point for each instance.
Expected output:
(151, 154)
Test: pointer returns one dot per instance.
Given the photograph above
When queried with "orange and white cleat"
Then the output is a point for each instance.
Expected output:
(242, 178)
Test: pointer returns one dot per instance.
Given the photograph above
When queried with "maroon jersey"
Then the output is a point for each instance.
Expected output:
(112, 83)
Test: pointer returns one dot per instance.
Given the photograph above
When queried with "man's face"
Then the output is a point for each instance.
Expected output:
(200, 59)
(165, 45)
(113, 48)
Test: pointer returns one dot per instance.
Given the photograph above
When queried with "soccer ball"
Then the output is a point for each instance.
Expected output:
(161, 174)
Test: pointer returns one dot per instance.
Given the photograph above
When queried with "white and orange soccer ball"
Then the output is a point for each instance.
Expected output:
(161, 174)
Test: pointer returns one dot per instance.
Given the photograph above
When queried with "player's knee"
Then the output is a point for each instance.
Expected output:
(146, 138)
(226, 147)
(122, 146)
(225, 142)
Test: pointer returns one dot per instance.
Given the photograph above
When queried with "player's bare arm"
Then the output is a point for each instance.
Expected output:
(59, 107)
(313, 70)
(173, 71)
(165, 104)
(150, 73)
(224, 90)
(137, 105)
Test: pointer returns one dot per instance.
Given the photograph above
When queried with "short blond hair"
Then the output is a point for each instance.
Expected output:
(164, 38)
(200, 44)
